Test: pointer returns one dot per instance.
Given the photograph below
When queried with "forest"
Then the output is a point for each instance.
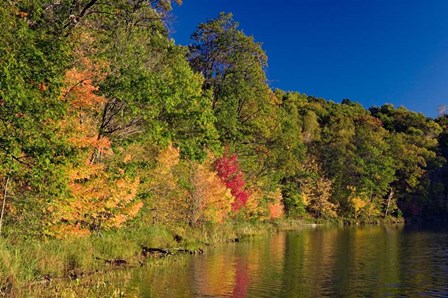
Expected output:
(107, 123)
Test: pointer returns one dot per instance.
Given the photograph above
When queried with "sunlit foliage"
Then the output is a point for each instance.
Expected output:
(229, 171)
(105, 121)
(100, 196)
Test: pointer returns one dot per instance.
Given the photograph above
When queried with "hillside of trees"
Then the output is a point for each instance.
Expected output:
(106, 122)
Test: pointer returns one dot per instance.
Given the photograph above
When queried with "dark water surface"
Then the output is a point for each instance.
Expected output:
(370, 261)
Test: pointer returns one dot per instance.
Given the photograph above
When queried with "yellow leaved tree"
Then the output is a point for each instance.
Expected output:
(169, 202)
(361, 205)
(316, 191)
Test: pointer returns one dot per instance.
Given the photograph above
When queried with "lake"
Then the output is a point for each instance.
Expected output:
(323, 261)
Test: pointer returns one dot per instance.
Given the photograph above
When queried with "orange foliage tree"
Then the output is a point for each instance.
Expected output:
(275, 205)
(263, 205)
(101, 195)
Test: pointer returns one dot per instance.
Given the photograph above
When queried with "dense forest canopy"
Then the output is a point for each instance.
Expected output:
(106, 122)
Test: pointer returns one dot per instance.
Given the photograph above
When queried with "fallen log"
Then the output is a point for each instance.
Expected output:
(150, 251)
(163, 252)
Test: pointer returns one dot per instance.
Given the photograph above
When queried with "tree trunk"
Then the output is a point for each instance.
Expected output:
(5, 192)
(391, 194)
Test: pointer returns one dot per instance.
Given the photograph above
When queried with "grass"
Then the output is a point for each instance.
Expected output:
(27, 262)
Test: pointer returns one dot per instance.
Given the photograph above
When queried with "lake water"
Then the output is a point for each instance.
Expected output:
(369, 261)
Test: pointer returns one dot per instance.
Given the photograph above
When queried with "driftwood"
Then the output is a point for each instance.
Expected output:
(164, 252)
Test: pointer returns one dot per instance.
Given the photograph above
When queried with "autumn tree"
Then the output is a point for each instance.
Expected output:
(275, 204)
(151, 93)
(100, 196)
(316, 191)
(211, 200)
(229, 172)
(169, 203)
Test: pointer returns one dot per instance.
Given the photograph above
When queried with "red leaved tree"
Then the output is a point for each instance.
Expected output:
(228, 168)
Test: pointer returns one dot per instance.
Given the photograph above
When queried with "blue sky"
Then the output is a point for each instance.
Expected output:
(370, 51)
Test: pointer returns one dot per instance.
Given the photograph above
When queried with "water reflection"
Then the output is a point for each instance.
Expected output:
(350, 262)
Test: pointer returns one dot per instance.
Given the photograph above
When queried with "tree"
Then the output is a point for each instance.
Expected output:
(211, 200)
(286, 149)
(60, 18)
(373, 167)
(413, 144)
(32, 63)
(232, 64)
(229, 172)
(101, 195)
(316, 191)
(151, 93)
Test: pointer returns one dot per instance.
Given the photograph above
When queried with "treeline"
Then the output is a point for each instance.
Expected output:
(106, 122)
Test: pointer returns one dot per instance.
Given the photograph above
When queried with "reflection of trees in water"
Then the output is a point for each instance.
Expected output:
(242, 277)
(213, 273)
(369, 261)
(259, 266)
(424, 262)
(167, 278)
(317, 261)
(237, 269)
(355, 262)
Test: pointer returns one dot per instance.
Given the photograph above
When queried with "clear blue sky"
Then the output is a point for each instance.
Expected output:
(370, 51)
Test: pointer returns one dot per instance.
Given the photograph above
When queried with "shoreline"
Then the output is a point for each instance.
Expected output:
(25, 263)
(33, 263)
